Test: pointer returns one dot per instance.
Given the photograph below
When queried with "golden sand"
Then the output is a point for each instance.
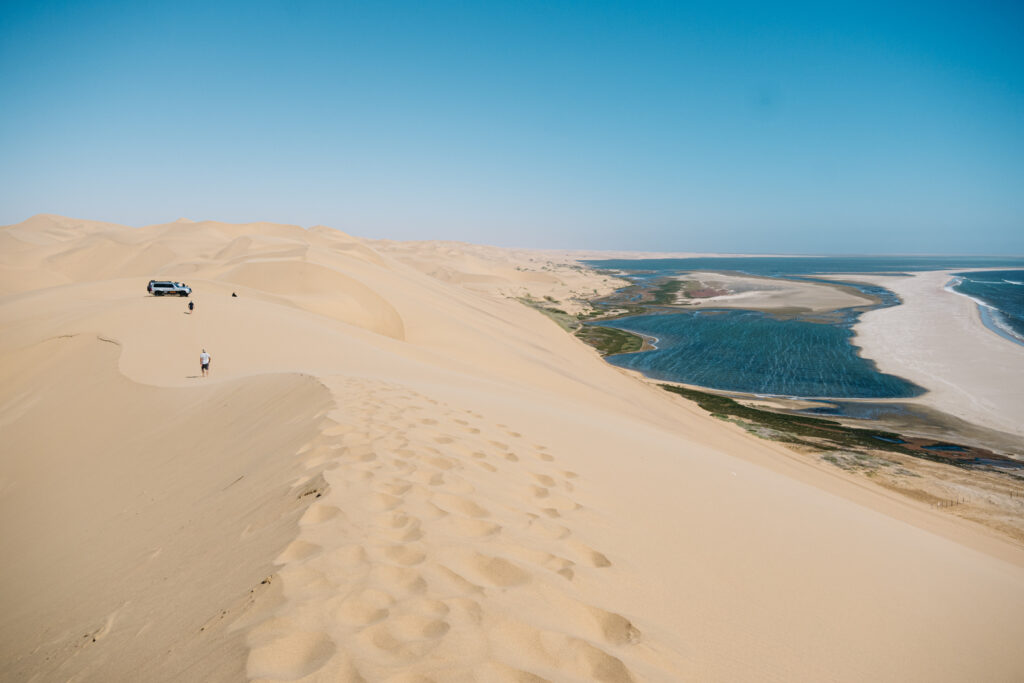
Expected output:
(397, 473)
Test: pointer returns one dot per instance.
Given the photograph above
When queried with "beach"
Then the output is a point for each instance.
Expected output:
(936, 339)
(396, 471)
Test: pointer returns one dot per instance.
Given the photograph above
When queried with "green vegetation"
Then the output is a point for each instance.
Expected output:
(689, 287)
(851, 448)
(798, 429)
(609, 341)
(666, 292)
(565, 321)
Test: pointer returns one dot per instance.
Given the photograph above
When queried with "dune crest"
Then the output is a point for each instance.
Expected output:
(397, 471)
(320, 290)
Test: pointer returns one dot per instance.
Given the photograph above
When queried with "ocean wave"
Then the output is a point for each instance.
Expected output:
(1013, 282)
(1000, 325)
(992, 317)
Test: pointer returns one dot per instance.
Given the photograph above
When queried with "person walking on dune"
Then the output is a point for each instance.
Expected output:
(204, 363)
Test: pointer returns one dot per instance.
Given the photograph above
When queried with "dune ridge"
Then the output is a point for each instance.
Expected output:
(398, 472)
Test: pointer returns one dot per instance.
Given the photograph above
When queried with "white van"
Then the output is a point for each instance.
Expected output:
(160, 288)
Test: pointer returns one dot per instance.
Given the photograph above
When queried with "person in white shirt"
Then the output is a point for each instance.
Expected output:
(204, 363)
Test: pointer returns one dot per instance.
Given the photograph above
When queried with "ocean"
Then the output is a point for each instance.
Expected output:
(1000, 298)
(774, 266)
(758, 353)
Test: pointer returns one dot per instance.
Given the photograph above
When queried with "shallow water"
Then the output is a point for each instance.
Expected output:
(753, 352)
(808, 265)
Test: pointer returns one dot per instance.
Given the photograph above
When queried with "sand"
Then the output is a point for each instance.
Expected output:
(936, 339)
(392, 476)
(770, 294)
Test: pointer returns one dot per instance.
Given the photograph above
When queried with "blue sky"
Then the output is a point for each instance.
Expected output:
(736, 127)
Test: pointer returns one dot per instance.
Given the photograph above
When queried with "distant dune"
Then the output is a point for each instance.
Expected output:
(398, 472)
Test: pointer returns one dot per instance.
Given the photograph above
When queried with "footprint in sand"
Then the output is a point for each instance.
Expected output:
(319, 513)
(584, 660)
(441, 462)
(497, 571)
(390, 648)
(539, 491)
(365, 607)
(394, 488)
(379, 502)
(588, 555)
(398, 581)
(297, 551)
(427, 607)
(542, 528)
(471, 528)
(561, 503)
(463, 506)
(405, 555)
(291, 657)
(347, 557)
(544, 479)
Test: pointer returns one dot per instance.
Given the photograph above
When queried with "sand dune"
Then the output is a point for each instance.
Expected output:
(423, 480)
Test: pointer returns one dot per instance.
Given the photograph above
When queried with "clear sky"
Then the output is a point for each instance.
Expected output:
(819, 127)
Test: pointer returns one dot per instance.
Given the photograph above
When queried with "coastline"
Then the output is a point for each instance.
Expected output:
(435, 481)
(937, 339)
(989, 314)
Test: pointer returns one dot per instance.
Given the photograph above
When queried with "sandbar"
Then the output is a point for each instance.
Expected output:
(772, 294)
(936, 339)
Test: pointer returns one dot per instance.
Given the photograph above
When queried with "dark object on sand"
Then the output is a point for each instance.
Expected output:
(191, 305)
(161, 287)
(234, 295)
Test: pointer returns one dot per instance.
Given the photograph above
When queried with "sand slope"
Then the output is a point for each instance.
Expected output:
(437, 483)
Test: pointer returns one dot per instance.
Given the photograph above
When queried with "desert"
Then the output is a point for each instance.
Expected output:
(396, 471)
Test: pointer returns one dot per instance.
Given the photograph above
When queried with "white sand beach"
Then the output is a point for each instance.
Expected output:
(936, 339)
(395, 472)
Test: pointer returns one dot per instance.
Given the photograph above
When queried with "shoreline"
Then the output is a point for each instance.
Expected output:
(937, 339)
(987, 312)
(819, 300)
(942, 409)
(406, 472)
